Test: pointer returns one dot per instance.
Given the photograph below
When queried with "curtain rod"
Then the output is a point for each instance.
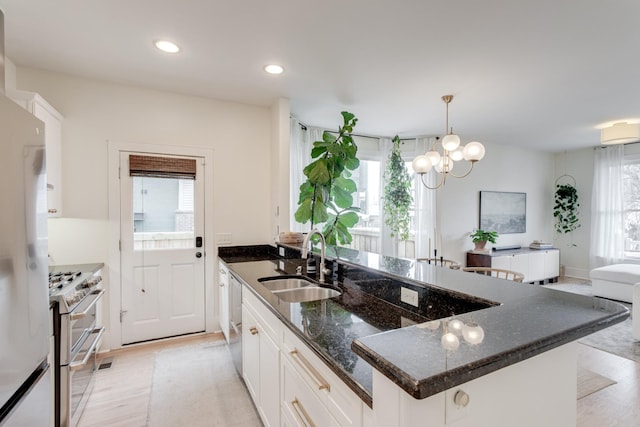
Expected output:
(304, 127)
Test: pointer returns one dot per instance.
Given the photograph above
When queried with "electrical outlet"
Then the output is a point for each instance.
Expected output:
(281, 251)
(224, 238)
(409, 296)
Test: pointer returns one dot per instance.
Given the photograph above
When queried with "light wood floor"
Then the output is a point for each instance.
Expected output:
(121, 394)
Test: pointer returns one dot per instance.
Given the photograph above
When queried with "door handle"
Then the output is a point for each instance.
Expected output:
(198, 254)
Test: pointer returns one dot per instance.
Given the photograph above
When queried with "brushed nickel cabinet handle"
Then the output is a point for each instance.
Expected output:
(301, 413)
(52, 211)
(310, 370)
(253, 330)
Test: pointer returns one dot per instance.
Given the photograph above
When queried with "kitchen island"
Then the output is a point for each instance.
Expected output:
(379, 345)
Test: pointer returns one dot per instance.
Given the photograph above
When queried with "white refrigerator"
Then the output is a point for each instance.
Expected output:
(25, 391)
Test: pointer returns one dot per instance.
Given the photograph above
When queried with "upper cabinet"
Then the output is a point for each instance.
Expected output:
(52, 119)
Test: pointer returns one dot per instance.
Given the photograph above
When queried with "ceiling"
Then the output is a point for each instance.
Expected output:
(541, 74)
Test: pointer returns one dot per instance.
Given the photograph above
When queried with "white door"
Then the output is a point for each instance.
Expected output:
(162, 250)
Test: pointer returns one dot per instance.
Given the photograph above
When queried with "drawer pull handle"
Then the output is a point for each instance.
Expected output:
(301, 413)
(310, 370)
(253, 330)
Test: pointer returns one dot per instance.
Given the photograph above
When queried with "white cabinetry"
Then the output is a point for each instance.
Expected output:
(223, 296)
(261, 358)
(52, 119)
(323, 394)
(536, 265)
(289, 384)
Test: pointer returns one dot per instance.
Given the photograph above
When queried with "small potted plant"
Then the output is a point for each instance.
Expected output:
(481, 237)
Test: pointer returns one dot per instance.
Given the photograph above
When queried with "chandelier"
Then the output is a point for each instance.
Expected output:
(443, 162)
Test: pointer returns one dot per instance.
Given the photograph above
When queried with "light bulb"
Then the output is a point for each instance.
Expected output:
(443, 165)
(473, 333)
(432, 325)
(421, 164)
(450, 142)
(457, 154)
(473, 151)
(450, 341)
(434, 156)
(456, 326)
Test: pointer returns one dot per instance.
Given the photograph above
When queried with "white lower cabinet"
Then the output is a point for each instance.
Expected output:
(342, 403)
(300, 406)
(289, 384)
(261, 362)
(223, 293)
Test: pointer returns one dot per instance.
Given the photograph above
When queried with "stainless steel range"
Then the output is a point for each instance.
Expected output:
(77, 335)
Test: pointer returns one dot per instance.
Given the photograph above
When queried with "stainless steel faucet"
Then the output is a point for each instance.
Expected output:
(305, 249)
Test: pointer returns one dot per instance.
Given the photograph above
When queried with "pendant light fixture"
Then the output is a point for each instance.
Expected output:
(451, 151)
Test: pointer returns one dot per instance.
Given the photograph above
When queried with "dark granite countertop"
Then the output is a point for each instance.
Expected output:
(368, 326)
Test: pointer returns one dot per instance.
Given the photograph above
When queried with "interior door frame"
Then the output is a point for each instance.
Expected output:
(113, 334)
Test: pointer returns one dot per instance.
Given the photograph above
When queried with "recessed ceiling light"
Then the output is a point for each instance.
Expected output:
(273, 69)
(166, 46)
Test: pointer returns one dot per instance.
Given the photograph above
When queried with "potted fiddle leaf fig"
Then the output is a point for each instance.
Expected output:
(327, 194)
(397, 193)
(481, 237)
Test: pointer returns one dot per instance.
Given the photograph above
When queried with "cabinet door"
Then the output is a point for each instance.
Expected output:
(503, 262)
(53, 141)
(269, 381)
(251, 354)
(520, 264)
(536, 267)
(551, 264)
(223, 294)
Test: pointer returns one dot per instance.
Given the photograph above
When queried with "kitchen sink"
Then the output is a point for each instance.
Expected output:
(280, 284)
(307, 293)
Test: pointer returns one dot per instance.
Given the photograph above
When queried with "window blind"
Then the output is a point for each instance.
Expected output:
(162, 167)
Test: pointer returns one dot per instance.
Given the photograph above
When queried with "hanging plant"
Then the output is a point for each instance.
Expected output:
(397, 193)
(566, 207)
(327, 194)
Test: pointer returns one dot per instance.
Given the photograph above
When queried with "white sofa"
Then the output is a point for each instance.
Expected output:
(615, 281)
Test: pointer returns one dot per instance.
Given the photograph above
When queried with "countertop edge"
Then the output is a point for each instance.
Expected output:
(426, 387)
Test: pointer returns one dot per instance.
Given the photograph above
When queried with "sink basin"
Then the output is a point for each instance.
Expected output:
(307, 293)
(280, 284)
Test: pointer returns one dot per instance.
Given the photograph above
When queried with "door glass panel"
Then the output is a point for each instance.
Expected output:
(163, 213)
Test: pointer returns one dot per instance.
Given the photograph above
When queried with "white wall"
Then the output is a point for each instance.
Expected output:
(504, 168)
(579, 164)
(96, 112)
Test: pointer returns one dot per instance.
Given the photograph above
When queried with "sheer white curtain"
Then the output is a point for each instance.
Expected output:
(425, 215)
(388, 244)
(607, 222)
(301, 142)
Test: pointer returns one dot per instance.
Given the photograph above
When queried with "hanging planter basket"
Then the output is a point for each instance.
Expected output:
(565, 209)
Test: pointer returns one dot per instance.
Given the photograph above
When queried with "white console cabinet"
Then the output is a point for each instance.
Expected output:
(52, 119)
(537, 265)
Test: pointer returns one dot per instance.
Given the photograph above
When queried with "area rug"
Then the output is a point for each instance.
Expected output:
(616, 339)
(589, 382)
(197, 386)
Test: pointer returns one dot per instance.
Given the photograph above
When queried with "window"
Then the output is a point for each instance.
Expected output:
(631, 213)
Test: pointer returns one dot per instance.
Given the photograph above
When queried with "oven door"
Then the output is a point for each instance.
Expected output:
(77, 325)
(76, 379)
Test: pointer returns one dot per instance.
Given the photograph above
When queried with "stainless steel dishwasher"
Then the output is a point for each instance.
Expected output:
(235, 322)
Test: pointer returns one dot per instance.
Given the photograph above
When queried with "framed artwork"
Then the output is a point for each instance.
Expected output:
(503, 212)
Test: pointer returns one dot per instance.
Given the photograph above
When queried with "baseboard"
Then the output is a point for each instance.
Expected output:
(578, 273)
